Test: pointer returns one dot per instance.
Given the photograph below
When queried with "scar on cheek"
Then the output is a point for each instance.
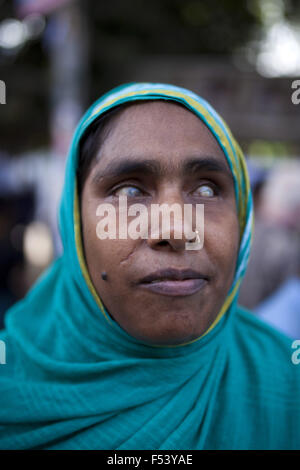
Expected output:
(127, 257)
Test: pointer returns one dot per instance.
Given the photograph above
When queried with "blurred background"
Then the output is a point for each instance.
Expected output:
(58, 56)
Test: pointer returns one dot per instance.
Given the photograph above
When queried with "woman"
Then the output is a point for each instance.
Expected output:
(138, 343)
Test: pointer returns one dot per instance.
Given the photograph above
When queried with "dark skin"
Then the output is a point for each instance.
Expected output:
(169, 136)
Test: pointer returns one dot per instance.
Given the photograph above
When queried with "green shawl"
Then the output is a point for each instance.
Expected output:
(74, 379)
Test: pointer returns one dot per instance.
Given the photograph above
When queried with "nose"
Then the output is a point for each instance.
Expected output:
(168, 224)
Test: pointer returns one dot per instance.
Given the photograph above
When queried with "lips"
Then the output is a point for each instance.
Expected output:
(173, 282)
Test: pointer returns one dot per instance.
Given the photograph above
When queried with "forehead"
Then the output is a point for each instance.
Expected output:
(161, 130)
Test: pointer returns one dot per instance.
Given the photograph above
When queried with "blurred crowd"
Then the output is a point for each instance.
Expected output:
(30, 188)
(271, 287)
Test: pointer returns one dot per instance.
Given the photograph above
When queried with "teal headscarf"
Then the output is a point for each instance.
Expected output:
(74, 379)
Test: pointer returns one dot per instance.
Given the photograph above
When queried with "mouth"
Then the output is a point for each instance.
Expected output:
(173, 282)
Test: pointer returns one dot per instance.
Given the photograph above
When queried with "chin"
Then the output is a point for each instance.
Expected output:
(169, 336)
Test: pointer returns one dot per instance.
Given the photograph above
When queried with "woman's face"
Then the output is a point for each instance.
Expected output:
(159, 152)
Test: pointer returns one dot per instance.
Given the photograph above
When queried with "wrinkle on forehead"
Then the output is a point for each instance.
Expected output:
(182, 124)
(144, 131)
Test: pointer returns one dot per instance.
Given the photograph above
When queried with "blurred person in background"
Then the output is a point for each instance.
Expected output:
(140, 343)
(16, 211)
(10, 258)
(276, 252)
(28, 191)
(276, 244)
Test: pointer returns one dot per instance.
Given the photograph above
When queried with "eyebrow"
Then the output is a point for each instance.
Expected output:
(207, 163)
(150, 167)
(127, 167)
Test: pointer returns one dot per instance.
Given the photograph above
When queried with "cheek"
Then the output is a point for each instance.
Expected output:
(111, 255)
(221, 241)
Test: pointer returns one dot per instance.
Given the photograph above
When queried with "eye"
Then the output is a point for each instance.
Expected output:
(129, 191)
(205, 191)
